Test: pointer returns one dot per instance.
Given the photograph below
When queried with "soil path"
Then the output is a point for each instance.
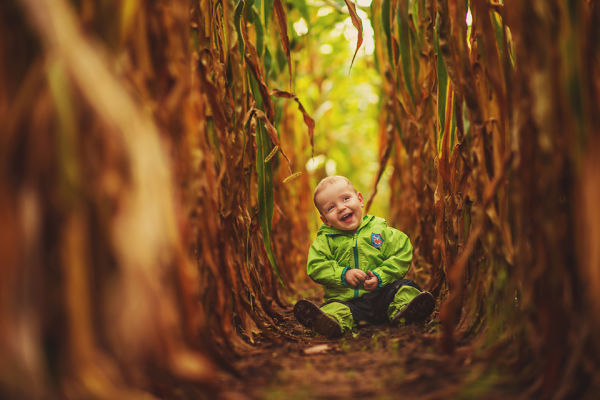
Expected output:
(375, 362)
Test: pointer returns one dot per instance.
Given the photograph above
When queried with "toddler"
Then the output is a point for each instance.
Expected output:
(360, 262)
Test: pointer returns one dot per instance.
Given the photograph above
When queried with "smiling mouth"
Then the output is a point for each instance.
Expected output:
(347, 216)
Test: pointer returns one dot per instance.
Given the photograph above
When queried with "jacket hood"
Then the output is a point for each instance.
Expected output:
(328, 230)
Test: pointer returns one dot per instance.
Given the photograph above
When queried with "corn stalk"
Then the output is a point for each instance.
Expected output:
(493, 136)
(140, 156)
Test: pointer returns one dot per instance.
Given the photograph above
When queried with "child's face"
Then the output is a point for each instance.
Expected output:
(340, 206)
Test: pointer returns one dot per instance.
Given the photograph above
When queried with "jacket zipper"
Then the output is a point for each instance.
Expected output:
(356, 259)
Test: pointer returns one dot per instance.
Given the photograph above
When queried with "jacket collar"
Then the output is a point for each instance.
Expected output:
(328, 230)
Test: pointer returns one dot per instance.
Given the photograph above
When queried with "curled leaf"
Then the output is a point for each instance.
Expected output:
(356, 21)
(271, 154)
(272, 132)
(308, 120)
(292, 176)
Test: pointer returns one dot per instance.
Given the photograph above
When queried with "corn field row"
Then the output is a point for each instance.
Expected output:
(155, 202)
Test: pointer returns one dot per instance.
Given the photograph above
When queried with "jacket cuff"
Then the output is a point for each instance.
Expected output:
(378, 278)
(344, 277)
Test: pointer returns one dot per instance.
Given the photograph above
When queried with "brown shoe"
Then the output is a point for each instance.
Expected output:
(417, 310)
(312, 317)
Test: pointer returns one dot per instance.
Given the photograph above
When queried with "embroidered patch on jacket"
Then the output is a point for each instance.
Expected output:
(376, 240)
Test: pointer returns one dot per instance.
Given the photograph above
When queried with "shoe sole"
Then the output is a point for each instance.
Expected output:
(312, 317)
(418, 309)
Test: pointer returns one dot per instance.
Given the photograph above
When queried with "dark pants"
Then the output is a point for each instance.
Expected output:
(372, 307)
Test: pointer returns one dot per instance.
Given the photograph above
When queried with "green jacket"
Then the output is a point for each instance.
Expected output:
(374, 246)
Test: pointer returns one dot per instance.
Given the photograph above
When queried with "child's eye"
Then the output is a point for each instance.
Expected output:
(346, 198)
(329, 208)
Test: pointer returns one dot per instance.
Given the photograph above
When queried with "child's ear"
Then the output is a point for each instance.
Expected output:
(360, 197)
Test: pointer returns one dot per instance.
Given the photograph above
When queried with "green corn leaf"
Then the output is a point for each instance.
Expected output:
(442, 87)
(229, 73)
(385, 21)
(499, 33)
(281, 59)
(416, 40)
(264, 174)
(239, 9)
(414, 6)
(268, 64)
(281, 17)
(268, 9)
(249, 10)
(375, 12)
(260, 33)
(453, 130)
(405, 50)
(265, 194)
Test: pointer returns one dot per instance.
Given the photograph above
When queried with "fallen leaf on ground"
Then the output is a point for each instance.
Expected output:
(321, 348)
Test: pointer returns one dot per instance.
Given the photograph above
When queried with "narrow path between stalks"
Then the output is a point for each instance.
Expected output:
(375, 362)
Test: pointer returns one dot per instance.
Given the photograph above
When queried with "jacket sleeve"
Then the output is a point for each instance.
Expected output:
(398, 257)
(322, 267)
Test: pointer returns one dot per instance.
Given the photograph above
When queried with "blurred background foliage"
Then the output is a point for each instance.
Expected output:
(344, 101)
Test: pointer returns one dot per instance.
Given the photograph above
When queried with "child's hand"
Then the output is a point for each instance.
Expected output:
(355, 277)
(371, 282)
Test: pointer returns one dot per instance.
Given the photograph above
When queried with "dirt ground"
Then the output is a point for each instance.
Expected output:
(374, 362)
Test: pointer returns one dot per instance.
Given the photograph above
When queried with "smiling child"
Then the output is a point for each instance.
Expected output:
(360, 262)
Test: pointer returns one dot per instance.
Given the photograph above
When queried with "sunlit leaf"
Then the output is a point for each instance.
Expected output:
(293, 176)
(357, 22)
